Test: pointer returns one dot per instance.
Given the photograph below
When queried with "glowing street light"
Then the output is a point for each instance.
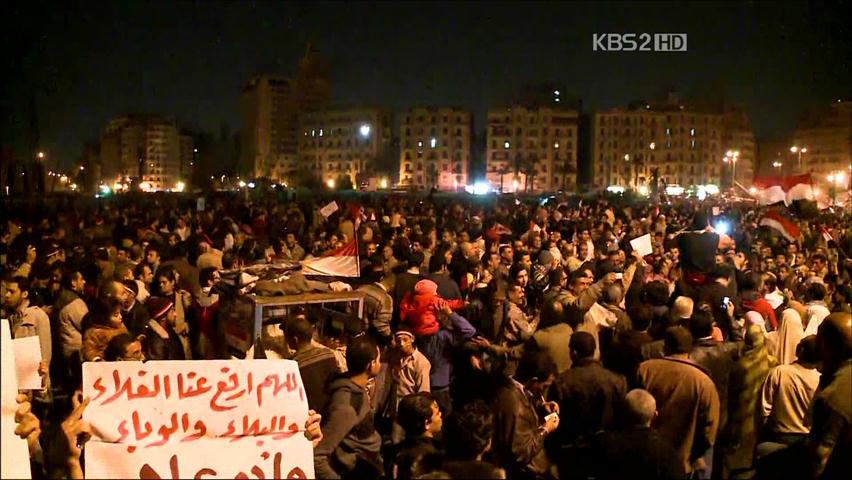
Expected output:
(799, 150)
(330, 183)
(777, 164)
(731, 156)
(40, 155)
(383, 183)
(242, 184)
(365, 130)
(180, 186)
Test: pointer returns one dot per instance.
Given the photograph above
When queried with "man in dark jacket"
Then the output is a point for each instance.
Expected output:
(519, 427)
(133, 313)
(722, 287)
(698, 256)
(420, 418)
(717, 358)
(637, 451)
(317, 363)
(448, 289)
(351, 445)
(588, 396)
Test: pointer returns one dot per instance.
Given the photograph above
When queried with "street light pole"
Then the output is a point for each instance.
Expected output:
(795, 149)
(731, 156)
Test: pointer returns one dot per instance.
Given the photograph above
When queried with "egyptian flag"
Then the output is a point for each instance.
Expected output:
(535, 228)
(498, 229)
(769, 190)
(784, 226)
(342, 262)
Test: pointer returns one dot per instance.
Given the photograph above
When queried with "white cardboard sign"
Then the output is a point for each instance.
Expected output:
(327, 210)
(27, 359)
(642, 244)
(182, 419)
(14, 453)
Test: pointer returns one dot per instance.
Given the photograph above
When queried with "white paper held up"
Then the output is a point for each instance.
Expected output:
(642, 244)
(27, 358)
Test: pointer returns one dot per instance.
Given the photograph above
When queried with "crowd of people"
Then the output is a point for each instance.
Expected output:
(500, 337)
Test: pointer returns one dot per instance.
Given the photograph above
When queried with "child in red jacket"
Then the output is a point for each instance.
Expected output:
(419, 310)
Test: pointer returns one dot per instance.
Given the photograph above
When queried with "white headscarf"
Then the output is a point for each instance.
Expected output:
(789, 335)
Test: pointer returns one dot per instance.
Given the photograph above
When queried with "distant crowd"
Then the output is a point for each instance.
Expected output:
(500, 337)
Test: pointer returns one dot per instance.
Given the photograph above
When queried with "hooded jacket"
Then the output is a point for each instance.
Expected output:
(419, 310)
(348, 432)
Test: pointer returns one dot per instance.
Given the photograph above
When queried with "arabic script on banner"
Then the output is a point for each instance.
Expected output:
(187, 419)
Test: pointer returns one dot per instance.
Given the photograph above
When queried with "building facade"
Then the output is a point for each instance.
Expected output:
(142, 148)
(826, 134)
(684, 146)
(344, 143)
(270, 123)
(435, 148)
(532, 149)
(739, 137)
(273, 106)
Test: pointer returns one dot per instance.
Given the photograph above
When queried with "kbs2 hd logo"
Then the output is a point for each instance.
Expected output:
(639, 42)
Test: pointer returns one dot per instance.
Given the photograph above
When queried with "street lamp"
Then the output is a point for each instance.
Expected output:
(836, 180)
(777, 164)
(731, 156)
(799, 150)
(40, 155)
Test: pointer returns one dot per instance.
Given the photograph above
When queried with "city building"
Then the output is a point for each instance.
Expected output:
(270, 122)
(272, 108)
(144, 149)
(532, 148)
(344, 143)
(435, 148)
(822, 142)
(685, 145)
(739, 138)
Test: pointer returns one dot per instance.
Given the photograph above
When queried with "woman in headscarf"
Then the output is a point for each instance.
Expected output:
(744, 391)
(770, 338)
(792, 332)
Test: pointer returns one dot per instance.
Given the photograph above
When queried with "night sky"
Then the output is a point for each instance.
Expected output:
(87, 62)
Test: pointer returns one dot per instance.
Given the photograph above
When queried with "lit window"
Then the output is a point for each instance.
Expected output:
(506, 144)
(433, 142)
(420, 143)
(313, 133)
(556, 145)
(691, 132)
(320, 132)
